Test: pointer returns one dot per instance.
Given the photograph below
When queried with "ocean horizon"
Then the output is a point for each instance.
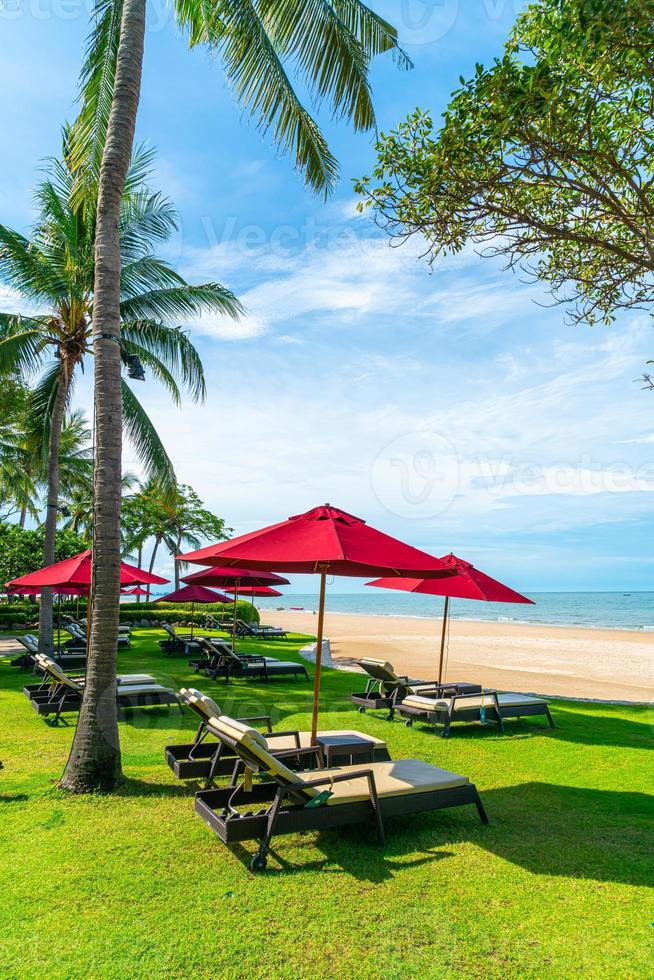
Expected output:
(608, 610)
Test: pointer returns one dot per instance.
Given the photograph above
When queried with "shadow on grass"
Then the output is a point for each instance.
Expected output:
(546, 829)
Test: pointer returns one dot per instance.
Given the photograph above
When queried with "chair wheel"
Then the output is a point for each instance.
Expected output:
(259, 862)
(361, 710)
(408, 723)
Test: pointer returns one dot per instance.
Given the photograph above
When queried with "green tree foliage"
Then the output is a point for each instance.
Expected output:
(544, 158)
(21, 551)
(177, 521)
(53, 270)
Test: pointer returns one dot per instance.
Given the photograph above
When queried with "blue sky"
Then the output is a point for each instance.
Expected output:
(447, 407)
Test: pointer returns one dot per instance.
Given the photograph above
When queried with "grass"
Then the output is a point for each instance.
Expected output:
(134, 884)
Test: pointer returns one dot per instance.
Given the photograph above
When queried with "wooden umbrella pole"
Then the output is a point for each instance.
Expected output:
(192, 617)
(443, 634)
(316, 679)
(236, 584)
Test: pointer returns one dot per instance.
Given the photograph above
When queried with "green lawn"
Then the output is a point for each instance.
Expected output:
(134, 884)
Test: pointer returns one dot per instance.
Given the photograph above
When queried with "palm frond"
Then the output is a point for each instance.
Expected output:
(88, 134)
(374, 33)
(260, 82)
(24, 267)
(182, 302)
(146, 219)
(22, 345)
(173, 349)
(146, 274)
(147, 444)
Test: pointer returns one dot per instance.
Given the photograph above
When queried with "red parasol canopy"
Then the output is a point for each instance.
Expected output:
(467, 583)
(75, 590)
(222, 577)
(136, 591)
(327, 541)
(255, 590)
(77, 571)
(193, 593)
(323, 538)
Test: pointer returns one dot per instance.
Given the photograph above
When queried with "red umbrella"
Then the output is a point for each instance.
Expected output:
(326, 541)
(136, 591)
(77, 571)
(258, 590)
(468, 583)
(193, 594)
(236, 577)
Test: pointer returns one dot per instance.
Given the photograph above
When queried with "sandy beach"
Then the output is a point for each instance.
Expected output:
(588, 663)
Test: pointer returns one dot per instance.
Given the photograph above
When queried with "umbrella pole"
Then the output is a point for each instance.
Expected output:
(192, 617)
(316, 679)
(234, 614)
(59, 622)
(443, 634)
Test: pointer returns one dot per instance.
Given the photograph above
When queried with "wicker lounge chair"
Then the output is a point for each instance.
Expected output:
(69, 657)
(209, 759)
(385, 688)
(227, 664)
(65, 693)
(179, 642)
(289, 802)
(260, 632)
(487, 707)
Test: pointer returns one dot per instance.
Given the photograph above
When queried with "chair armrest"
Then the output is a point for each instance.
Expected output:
(307, 750)
(265, 718)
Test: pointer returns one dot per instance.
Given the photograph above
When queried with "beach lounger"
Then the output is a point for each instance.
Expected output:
(207, 760)
(65, 693)
(260, 632)
(291, 802)
(221, 661)
(78, 634)
(385, 688)
(69, 657)
(179, 642)
(36, 690)
(487, 707)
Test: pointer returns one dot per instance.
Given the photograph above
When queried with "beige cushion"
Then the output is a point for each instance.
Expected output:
(127, 689)
(402, 778)
(380, 666)
(465, 704)
(254, 749)
(56, 673)
(288, 741)
(204, 706)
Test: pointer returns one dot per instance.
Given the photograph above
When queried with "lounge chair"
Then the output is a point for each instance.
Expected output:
(78, 634)
(322, 798)
(179, 642)
(208, 759)
(64, 693)
(32, 691)
(230, 664)
(260, 632)
(125, 628)
(384, 687)
(489, 706)
(73, 657)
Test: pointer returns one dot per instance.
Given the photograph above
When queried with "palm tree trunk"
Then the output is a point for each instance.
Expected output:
(139, 559)
(176, 563)
(46, 631)
(94, 761)
(157, 542)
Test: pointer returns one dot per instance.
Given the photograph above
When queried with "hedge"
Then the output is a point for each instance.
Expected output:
(17, 615)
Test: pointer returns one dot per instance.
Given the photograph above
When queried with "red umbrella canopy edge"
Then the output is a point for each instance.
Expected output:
(194, 593)
(322, 539)
(254, 590)
(77, 571)
(238, 577)
(468, 583)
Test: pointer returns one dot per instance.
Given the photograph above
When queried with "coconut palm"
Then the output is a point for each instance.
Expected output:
(327, 45)
(53, 270)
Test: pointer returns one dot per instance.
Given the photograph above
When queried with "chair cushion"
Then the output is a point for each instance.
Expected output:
(125, 690)
(404, 777)
(465, 704)
(288, 741)
(379, 668)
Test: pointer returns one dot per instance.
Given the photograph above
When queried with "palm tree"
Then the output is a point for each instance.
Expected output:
(54, 270)
(328, 44)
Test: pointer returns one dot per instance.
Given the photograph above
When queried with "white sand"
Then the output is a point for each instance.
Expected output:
(588, 663)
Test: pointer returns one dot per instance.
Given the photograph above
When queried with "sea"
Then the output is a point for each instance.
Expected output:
(613, 610)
